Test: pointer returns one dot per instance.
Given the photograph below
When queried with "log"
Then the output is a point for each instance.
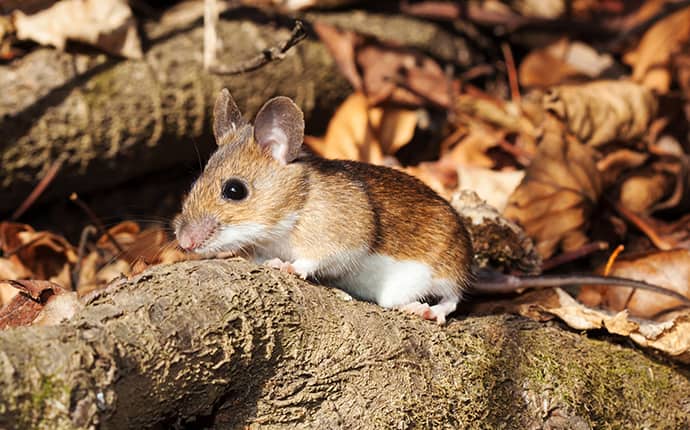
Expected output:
(229, 344)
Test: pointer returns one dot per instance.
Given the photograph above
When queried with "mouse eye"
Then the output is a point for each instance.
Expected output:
(235, 189)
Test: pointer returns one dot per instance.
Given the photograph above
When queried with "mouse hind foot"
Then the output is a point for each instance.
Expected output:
(437, 312)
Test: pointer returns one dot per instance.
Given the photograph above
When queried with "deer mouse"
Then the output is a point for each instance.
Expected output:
(375, 232)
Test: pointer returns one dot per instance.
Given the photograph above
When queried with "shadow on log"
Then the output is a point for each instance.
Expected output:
(230, 344)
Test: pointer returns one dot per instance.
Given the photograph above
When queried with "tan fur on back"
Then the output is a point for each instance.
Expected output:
(389, 212)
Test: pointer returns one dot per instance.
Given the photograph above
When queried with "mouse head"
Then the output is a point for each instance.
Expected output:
(251, 189)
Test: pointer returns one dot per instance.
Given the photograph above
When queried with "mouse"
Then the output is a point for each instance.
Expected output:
(375, 232)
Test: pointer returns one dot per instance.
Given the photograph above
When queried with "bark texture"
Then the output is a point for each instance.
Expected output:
(229, 344)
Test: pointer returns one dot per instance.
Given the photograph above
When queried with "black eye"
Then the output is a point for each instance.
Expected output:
(234, 189)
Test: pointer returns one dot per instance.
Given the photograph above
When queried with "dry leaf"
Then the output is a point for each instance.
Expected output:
(670, 337)
(363, 133)
(640, 193)
(556, 197)
(603, 111)
(472, 148)
(651, 59)
(612, 165)
(297, 5)
(143, 245)
(106, 24)
(562, 62)
(87, 273)
(44, 254)
(498, 113)
(495, 187)
(670, 269)
(28, 305)
(10, 268)
(9, 235)
(389, 73)
(341, 45)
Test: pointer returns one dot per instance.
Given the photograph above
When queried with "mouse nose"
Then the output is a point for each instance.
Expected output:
(193, 235)
(186, 240)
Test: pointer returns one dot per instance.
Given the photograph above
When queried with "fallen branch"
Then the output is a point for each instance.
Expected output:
(242, 345)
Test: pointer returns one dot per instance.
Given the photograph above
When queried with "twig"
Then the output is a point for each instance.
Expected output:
(95, 220)
(612, 259)
(267, 55)
(40, 187)
(573, 255)
(512, 74)
(642, 225)
(83, 238)
(521, 156)
(210, 33)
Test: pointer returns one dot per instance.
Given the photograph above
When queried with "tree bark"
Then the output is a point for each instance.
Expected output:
(230, 344)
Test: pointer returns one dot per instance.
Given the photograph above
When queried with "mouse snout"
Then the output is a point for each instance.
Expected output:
(194, 234)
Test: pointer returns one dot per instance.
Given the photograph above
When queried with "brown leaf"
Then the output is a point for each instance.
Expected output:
(26, 306)
(10, 268)
(651, 59)
(363, 133)
(612, 165)
(341, 45)
(670, 337)
(106, 24)
(136, 244)
(669, 269)
(562, 62)
(681, 70)
(44, 254)
(472, 148)
(603, 111)
(9, 235)
(559, 190)
(641, 192)
(389, 73)
(495, 187)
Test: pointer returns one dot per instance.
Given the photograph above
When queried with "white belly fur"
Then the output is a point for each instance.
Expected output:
(393, 283)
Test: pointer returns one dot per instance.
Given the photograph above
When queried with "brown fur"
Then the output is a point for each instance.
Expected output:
(397, 215)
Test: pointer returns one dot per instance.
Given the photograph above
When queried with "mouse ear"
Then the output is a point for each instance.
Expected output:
(227, 118)
(279, 128)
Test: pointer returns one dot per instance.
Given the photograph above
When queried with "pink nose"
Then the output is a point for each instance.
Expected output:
(193, 235)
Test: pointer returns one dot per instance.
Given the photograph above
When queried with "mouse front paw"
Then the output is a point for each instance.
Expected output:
(277, 263)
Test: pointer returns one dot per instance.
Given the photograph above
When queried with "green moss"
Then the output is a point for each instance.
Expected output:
(589, 383)
(33, 410)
